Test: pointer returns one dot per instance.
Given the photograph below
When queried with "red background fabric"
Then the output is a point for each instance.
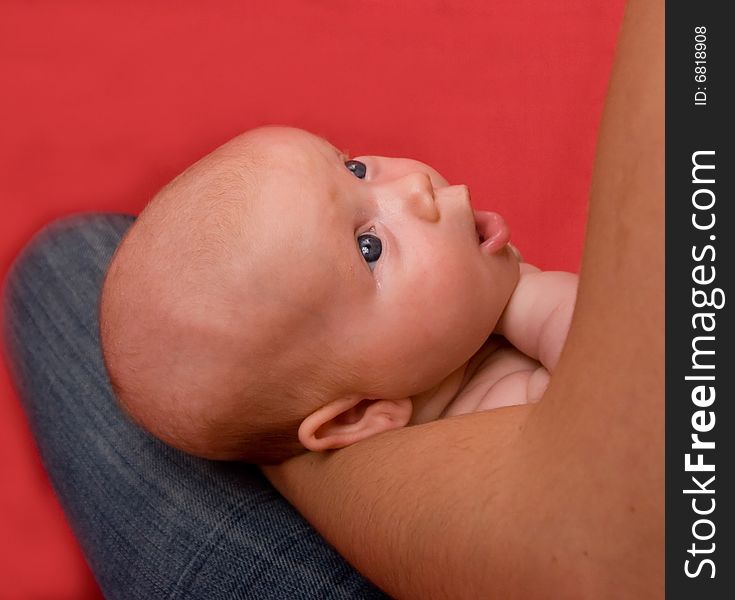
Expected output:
(102, 103)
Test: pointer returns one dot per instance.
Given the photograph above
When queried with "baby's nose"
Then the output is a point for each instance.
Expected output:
(416, 192)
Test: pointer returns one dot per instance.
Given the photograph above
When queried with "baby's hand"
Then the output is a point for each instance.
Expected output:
(537, 384)
(537, 317)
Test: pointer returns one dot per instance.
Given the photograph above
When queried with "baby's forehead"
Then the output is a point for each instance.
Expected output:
(295, 175)
(265, 170)
(283, 147)
(297, 226)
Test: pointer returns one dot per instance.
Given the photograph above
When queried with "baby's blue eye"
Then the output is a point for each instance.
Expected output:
(371, 248)
(357, 167)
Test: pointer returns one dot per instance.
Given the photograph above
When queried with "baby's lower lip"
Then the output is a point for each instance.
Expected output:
(492, 231)
(481, 223)
(485, 221)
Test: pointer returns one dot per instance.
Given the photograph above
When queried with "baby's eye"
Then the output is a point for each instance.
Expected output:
(357, 167)
(371, 248)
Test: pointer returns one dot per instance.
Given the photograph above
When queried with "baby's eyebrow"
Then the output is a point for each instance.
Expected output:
(341, 154)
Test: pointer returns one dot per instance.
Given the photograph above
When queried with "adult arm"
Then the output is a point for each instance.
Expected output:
(559, 499)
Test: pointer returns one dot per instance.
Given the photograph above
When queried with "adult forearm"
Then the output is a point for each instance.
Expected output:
(421, 510)
(606, 398)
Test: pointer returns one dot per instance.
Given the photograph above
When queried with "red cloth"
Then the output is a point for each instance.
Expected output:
(103, 103)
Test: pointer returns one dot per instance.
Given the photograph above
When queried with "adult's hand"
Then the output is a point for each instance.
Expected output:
(559, 499)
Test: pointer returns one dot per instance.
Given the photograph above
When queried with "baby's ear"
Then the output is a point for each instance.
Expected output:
(348, 420)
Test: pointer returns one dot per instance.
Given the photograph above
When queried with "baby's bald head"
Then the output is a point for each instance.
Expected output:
(195, 327)
(277, 296)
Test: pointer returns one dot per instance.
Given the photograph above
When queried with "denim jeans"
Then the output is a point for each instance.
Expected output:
(153, 522)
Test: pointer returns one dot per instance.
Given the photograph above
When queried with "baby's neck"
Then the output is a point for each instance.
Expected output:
(431, 404)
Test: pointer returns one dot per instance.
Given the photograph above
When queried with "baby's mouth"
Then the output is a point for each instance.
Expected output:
(492, 232)
(481, 225)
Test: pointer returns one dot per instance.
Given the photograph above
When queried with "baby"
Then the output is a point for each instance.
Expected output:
(279, 296)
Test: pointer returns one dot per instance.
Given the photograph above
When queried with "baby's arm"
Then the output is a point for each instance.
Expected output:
(535, 323)
(537, 317)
